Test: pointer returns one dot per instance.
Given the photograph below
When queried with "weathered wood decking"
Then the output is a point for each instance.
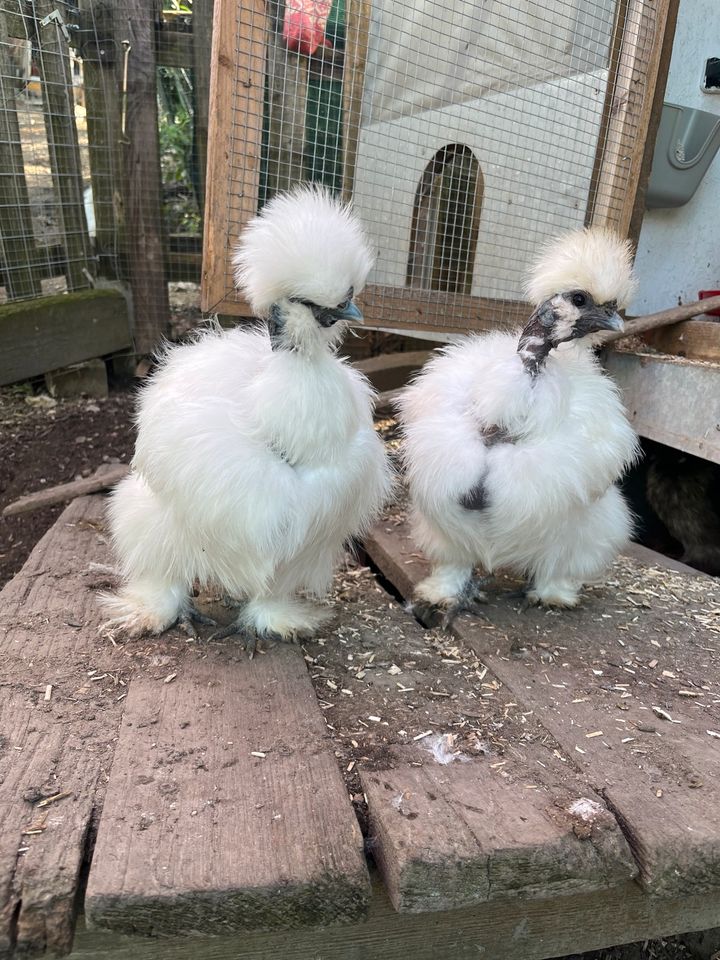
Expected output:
(207, 789)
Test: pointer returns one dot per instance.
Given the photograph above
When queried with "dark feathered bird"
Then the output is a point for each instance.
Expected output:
(684, 491)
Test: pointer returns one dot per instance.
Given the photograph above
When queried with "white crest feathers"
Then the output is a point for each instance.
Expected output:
(594, 259)
(304, 243)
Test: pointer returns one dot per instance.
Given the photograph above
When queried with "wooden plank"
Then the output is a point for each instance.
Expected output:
(671, 400)
(391, 370)
(659, 781)
(694, 339)
(651, 321)
(234, 138)
(448, 836)
(57, 729)
(357, 31)
(658, 99)
(102, 85)
(62, 136)
(142, 183)
(201, 53)
(53, 332)
(175, 45)
(400, 308)
(64, 492)
(531, 929)
(630, 105)
(198, 834)
(17, 239)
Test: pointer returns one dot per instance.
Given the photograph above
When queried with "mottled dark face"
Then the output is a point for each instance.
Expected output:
(564, 317)
(575, 314)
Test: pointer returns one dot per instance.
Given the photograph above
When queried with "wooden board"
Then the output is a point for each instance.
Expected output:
(527, 929)
(234, 139)
(447, 836)
(141, 178)
(17, 240)
(57, 728)
(671, 400)
(53, 63)
(63, 492)
(199, 835)
(694, 339)
(53, 332)
(636, 73)
(660, 783)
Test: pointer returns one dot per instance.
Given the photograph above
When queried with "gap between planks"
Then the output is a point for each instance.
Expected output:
(664, 799)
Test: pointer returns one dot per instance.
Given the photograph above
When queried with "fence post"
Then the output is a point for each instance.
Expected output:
(16, 229)
(59, 110)
(102, 59)
(142, 185)
(202, 43)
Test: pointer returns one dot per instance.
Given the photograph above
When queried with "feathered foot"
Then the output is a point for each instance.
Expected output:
(562, 594)
(444, 612)
(139, 613)
(278, 620)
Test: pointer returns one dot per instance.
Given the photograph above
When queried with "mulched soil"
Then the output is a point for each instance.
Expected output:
(44, 442)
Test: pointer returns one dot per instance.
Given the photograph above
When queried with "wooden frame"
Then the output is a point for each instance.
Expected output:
(641, 39)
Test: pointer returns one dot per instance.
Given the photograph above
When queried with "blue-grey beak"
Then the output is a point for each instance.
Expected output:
(350, 312)
(615, 322)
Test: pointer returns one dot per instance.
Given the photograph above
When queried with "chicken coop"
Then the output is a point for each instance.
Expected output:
(465, 136)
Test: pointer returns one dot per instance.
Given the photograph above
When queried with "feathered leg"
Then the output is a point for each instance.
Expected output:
(586, 544)
(155, 594)
(450, 590)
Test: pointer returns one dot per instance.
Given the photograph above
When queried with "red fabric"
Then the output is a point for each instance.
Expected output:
(304, 26)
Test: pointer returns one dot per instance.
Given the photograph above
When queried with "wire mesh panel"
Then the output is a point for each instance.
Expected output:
(103, 132)
(465, 132)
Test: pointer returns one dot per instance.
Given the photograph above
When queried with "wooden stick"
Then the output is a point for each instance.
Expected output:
(652, 321)
(108, 477)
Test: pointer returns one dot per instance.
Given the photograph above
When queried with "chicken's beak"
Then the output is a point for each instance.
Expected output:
(350, 312)
(607, 319)
(615, 322)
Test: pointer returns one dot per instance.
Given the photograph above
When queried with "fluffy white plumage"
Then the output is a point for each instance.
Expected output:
(256, 456)
(511, 459)
(594, 259)
(305, 245)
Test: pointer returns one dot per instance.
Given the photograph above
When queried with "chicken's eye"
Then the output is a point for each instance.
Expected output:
(579, 300)
(344, 305)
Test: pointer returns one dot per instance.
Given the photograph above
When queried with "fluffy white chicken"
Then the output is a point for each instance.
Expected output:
(256, 457)
(513, 442)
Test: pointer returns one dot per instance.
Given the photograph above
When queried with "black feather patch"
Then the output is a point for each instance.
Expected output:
(476, 497)
(495, 434)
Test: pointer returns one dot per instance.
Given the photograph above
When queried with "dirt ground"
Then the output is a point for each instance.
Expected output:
(378, 688)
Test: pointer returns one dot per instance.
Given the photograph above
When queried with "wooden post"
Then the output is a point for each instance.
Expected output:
(102, 65)
(16, 229)
(141, 180)
(356, 45)
(59, 110)
(202, 43)
(637, 54)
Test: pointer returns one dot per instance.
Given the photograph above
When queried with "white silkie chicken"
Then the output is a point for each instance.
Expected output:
(256, 457)
(514, 442)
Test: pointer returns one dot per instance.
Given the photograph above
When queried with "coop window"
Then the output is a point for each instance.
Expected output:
(446, 220)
